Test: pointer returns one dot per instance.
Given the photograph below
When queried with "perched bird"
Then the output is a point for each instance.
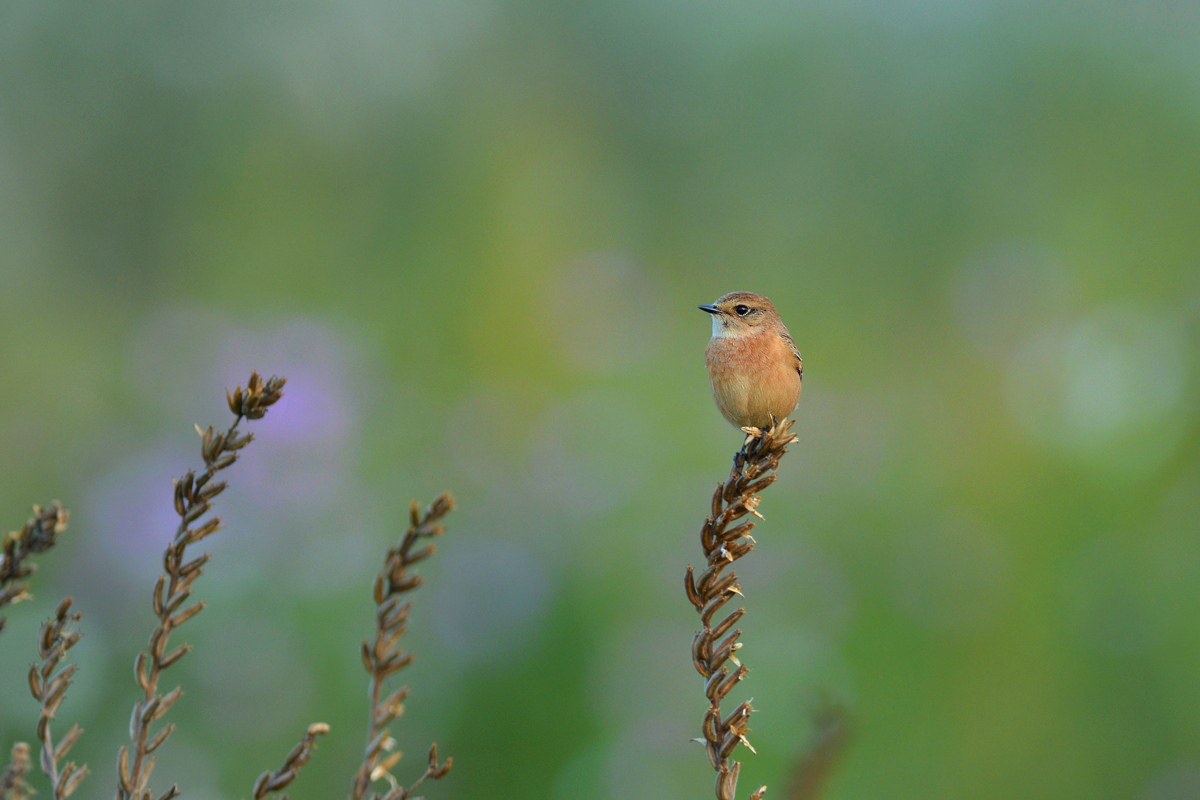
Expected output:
(753, 364)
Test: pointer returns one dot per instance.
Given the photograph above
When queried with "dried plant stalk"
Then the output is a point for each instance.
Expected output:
(193, 499)
(753, 470)
(13, 785)
(38, 536)
(270, 782)
(814, 766)
(385, 656)
(49, 687)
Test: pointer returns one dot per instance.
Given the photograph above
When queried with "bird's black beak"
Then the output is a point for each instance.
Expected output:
(711, 309)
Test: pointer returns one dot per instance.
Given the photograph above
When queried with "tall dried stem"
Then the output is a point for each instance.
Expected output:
(13, 785)
(48, 687)
(193, 499)
(385, 656)
(716, 645)
(812, 770)
(38, 536)
(271, 782)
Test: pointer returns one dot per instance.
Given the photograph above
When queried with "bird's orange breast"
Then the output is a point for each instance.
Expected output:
(753, 378)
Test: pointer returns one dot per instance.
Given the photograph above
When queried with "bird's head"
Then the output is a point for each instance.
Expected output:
(741, 314)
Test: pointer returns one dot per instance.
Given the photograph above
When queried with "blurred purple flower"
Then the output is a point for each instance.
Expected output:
(292, 481)
(129, 509)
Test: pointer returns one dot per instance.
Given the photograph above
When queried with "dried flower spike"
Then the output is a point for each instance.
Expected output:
(385, 656)
(193, 496)
(13, 785)
(717, 645)
(39, 535)
(48, 685)
(276, 781)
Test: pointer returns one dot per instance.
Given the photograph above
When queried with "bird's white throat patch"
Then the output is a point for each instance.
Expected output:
(721, 331)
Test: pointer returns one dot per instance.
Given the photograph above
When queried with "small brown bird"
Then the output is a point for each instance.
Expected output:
(753, 364)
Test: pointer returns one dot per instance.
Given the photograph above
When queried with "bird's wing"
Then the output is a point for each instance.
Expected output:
(791, 343)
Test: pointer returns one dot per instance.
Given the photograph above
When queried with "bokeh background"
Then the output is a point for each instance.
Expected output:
(473, 234)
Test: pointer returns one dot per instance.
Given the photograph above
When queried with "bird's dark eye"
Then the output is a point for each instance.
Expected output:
(742, 310)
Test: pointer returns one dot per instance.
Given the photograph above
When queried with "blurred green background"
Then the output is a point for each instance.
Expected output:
(473, 236)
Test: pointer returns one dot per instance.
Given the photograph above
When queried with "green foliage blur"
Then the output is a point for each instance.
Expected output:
(473, 234)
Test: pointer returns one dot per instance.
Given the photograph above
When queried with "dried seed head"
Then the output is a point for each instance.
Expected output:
(47, 523)
(384, 655)
(738, 497)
